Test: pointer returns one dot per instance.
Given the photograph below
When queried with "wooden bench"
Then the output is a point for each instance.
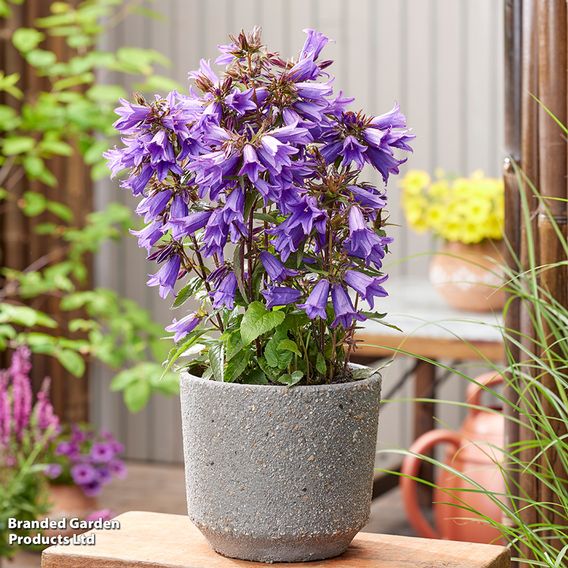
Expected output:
(156, 540)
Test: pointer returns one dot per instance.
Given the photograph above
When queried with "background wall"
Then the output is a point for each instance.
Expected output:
(440, 59)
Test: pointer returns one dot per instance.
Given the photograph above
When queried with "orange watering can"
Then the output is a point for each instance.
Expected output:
(474, 451)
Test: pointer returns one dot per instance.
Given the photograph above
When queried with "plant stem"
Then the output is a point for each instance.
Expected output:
(204, 276)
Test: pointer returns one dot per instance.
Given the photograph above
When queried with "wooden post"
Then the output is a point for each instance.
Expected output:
(513, 134)
(553, 170)
(542, 44)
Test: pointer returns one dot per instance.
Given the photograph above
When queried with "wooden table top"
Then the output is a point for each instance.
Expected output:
(156, 540)
(429, 327)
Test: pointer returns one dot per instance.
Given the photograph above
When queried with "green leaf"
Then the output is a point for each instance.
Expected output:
(123, 379)
(257, 377)
(73, 81)
(217, 360)
(41, 58)
(275, 357)
(106, 93)
(168, 384)
(236, 366)
(18, 145)
(25, 316)
(33, 203)
(292, 379)
(289, 345)
(257, 321)
(60, 210)
(8, 83)
(7, 331)
(187, 291)
(72, 361)
(136, 395)
(26, 39)
(56, 147)
(34, 166)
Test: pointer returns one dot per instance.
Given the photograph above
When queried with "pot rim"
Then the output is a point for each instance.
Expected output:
(186, 375)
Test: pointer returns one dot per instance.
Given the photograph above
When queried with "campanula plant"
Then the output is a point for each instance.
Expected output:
(252, 192)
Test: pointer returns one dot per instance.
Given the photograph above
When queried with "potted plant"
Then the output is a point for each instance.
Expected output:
(81, 461)
(468, 214)
(251, 192)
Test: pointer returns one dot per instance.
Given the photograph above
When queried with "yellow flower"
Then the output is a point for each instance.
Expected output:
(414, 181)
(466, 209)
(439, 189)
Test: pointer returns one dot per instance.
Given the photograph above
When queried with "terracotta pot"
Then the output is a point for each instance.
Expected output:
(474, 451)
(468, 277)
(69, 502)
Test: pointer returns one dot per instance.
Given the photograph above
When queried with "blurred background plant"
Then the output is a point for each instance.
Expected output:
(55, 123)
(86, 458)
(463, 209)
(536, 404)
(26, 430)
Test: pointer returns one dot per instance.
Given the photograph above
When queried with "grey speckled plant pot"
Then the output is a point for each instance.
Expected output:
(279, 474)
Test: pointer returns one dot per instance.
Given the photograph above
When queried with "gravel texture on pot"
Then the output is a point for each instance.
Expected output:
(277, 473)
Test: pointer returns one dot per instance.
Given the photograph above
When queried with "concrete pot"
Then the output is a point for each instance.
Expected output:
(279, 474)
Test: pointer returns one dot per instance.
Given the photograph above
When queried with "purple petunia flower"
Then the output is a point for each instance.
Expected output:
(225, 293)
(104, 475)
(65, 449)
(274, 268)
(101, 452)
(315, 305)
(118, 468)
(53, 470)
(83, 473)
(280, 296)
(345, 313)
(369, 287)
(92, 489)
(180, 328)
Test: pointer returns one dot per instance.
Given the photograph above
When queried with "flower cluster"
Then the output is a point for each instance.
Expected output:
(23, 424)
(266, 158)
(466, 210)
(86, 458)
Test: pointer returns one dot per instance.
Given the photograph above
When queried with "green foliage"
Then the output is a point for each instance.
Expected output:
(257, 321)
(73, 117)
(22, 496)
